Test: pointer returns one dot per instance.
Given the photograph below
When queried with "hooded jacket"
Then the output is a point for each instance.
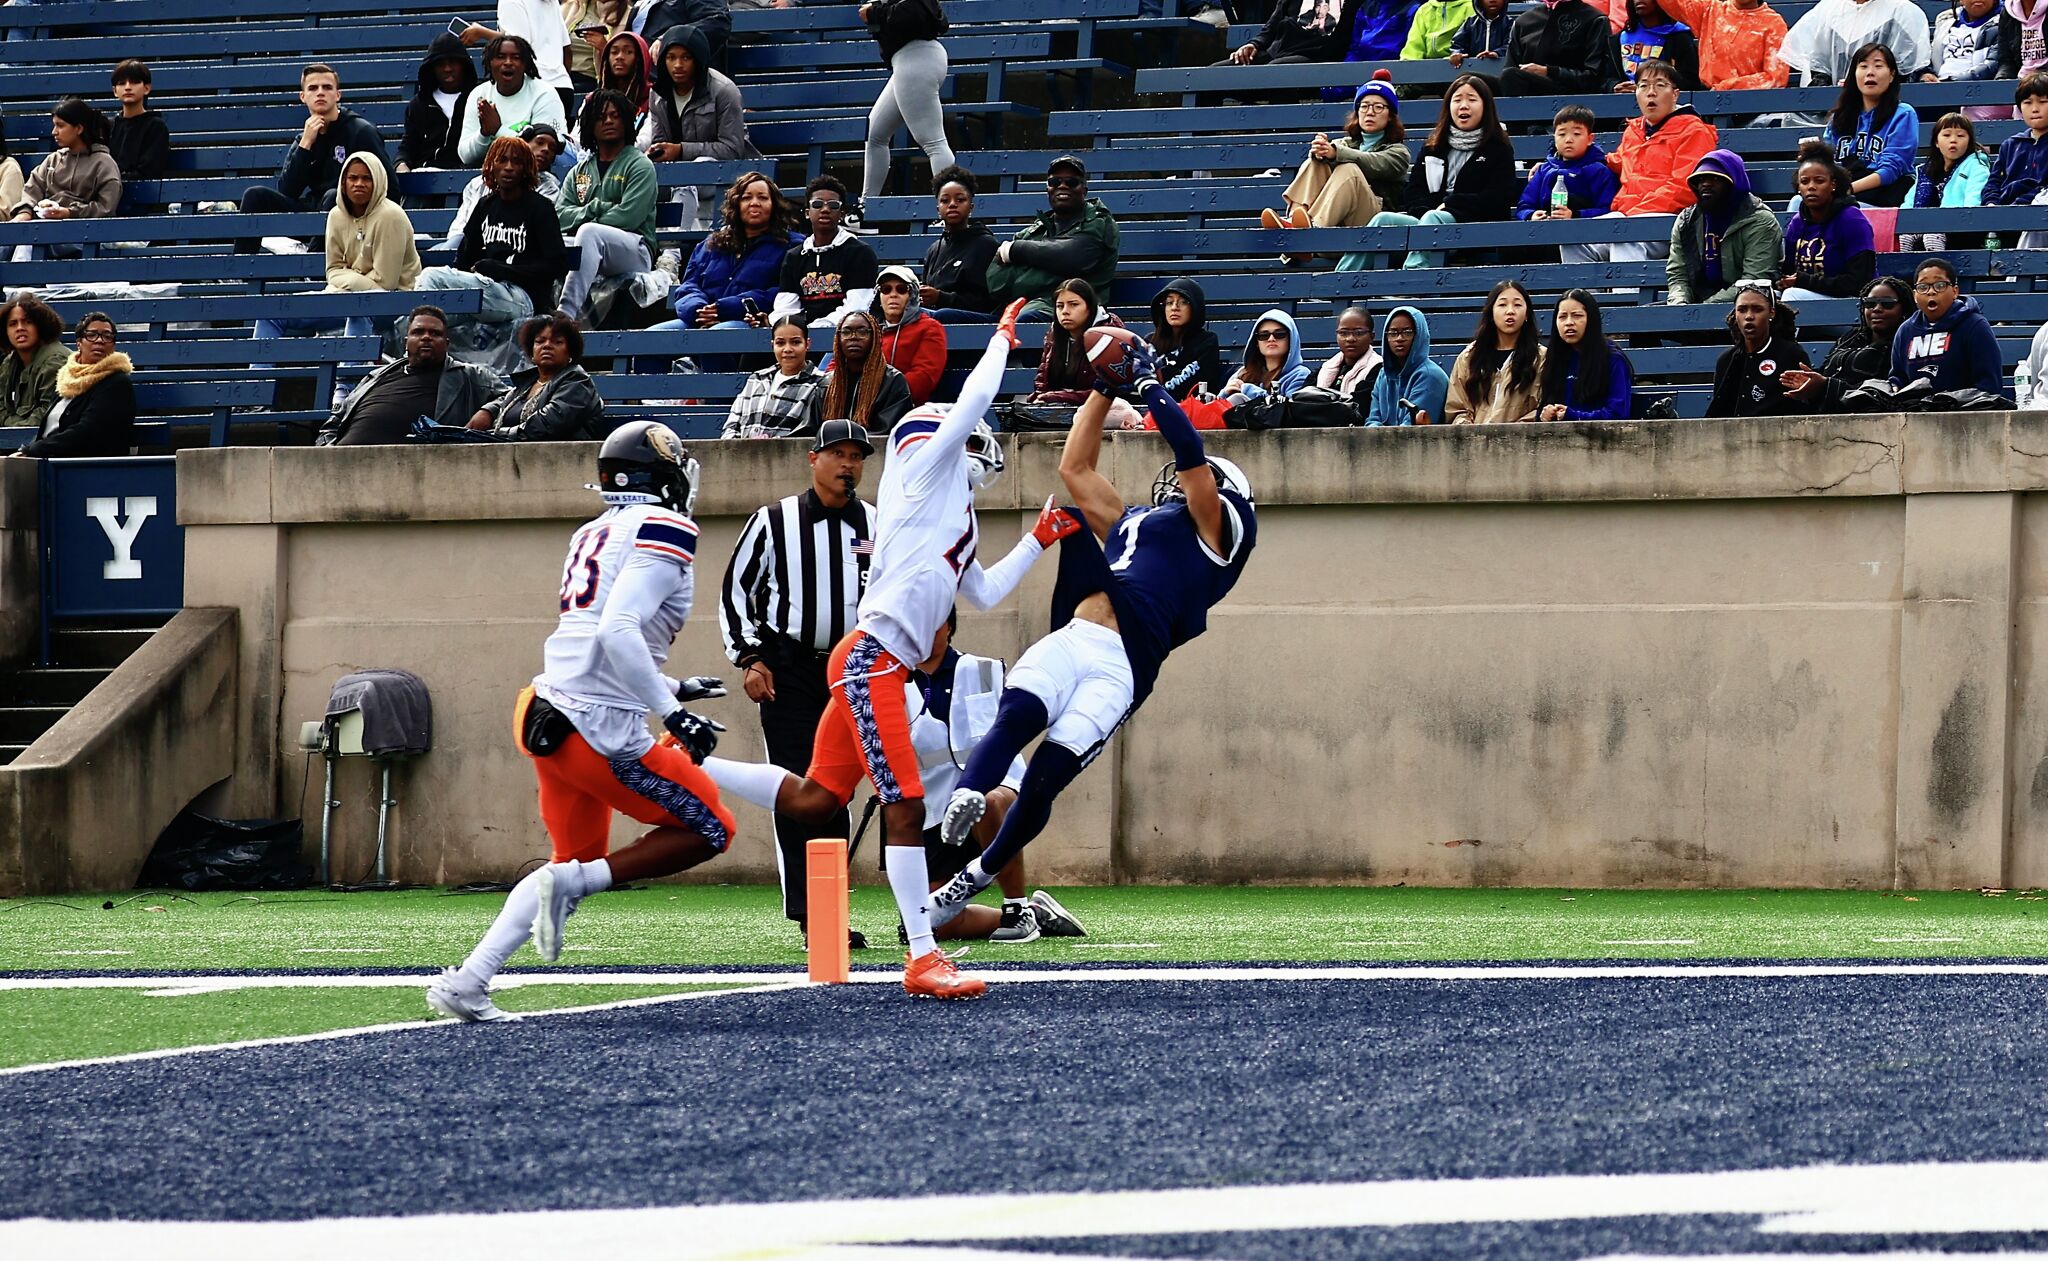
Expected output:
(1574, 40)
(1963, 187)
(1619, 400)
(1416, 379)
(1588, 181)
(567, 410)
(713, 18)
(1886, 149)
(88, 184)
(431, 137)
(726, 281)
(1378, 28)
(1738, 48)
(1654, 162)
(1834, 253)
(2031, 39)
(957, 266)
(1485, 190)
(1049, 250)
(1198, 359)
(1435, 24)
(463, 390)
(914, 345)
(1749, 246)
(1385, 166)
(1670, 40)
(1748, 384)
(374, 250)
(534, 102)
(1483, 34)
(306, 175)
(1293, 373)
(711, 123)
(620, 196)
(1503, 403)
(1964, 50)
(1063, 374)
(1956, 351)
(636, 91)
(895, 23)
(2021, 167)
(517, 243)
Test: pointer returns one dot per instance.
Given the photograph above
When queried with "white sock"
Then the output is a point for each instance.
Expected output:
(507, 933)
(910, 880)
(758, 783)
(597, 876)
(1009, 901)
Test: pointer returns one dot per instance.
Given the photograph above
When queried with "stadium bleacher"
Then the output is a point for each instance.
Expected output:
(1185, 180)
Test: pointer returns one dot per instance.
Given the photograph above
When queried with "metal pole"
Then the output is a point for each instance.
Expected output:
(327, 805)
(384, 805)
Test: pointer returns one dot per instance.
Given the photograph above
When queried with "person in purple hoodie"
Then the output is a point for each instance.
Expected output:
(1947, 340)
(1830, 251)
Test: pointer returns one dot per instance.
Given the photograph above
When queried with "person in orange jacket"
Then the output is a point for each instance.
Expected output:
(1658, 152)
(913, 342)
(1739, 41)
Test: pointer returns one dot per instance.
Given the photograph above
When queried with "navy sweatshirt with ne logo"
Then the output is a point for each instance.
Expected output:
(518, 243)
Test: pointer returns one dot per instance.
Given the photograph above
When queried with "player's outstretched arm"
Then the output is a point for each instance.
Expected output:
(986, 588)
(1190, 465)
(1095, 495)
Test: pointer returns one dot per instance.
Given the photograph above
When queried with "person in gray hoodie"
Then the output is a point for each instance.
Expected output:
(694, 113)
(79, 181)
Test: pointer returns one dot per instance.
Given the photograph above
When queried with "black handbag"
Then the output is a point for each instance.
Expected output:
(1036, 417)
(1310, 407)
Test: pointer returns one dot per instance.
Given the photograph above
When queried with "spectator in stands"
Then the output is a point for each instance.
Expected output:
(1295, 31)
(1824, 44)
(591, 25)
(1738, 42)
(731, 278)
(1947, 340)
(1467, 171)
(538, 140)
(1064, 377)
(1272, 361)
(2030, 39)
(694, 115)
(312, 164)
(510, 100)
(1351, 371)
(1750, 377)
(712, 17)
(1875, 135)
(1561, 46)
(1862, 354)
(1975, 40)
(1074, 236)
(381, 410)
(955, 289)
(1658, 150)
(1954, 174)
(1410, 389)
(554, 400)
(1190, 357)
(94, 413)
(1654, 35)
(606, 206)
(859, 385)
(1484, 36)
(831, 272)
(907, 32)
(1434, 26)
(1575, 180)
(2022, 166)
(1830, 251)
(539, 23)
(786, 398)
(1727, 238)
(628, 69)
(1585, 375)
(369, 249)
(79, 180)
(28, 375)
(433, 118)
(912, 342)
(138, 139)
(11, 180)
(1345, 182)
(511, 246)
(1499, 377)
(553, 156)
(1379, 28)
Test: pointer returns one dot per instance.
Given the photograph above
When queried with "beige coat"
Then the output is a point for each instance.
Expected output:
(373, 252)
(1502, 404)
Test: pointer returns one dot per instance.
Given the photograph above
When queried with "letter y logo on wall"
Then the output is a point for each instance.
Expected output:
(121, 533)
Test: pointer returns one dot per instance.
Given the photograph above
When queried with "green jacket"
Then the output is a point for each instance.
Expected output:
(1385, 167)
(622, 198)
(1429, 39)
(28, 392)
(1047, 252)
(1753, 248)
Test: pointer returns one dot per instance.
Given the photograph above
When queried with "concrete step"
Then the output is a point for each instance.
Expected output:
(97, 647)
(51, 686)
(24, 725)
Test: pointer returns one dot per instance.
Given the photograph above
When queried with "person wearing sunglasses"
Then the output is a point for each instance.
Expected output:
(1075, 236)
(94, 414)
(1863, 354)
(831, 272)
(1947, 340)
(913, 342)
(1272, 361)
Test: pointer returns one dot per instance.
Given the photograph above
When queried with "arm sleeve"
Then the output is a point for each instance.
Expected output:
(1620, 392)
(731, 143)
(1175, 427)
(1677, 269)
(633, 211)
(470, 148)
(1901, 135)
(1457, 403)
(154, 155)
(647, 579)
(975, 396)
(1534, 193)
(986, 588)
(739, 621)
(1074, 255)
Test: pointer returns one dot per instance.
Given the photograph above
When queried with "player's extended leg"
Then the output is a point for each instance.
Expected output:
(1020, 718)
(977, 922)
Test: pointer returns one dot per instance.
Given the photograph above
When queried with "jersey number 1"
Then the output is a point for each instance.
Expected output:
(582, 567)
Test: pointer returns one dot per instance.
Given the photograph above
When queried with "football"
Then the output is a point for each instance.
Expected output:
(1108, 353)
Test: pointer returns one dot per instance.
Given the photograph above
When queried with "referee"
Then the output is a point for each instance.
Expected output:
(790, 594)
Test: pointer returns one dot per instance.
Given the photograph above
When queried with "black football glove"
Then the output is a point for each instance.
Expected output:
(700, 687)
(697, 734)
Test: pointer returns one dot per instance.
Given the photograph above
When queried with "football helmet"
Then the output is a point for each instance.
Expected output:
(645, 461)
(984, 456)
(1166, 487)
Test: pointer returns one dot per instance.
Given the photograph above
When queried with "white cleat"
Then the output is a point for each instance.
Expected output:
(963, 811)
(557, 904)
(459, 998)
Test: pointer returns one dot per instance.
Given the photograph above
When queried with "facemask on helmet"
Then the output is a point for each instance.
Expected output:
(1166, 486)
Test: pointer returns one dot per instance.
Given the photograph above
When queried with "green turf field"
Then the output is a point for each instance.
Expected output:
(681, 928)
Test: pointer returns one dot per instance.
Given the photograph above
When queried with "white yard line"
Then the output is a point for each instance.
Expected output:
(1653, 941)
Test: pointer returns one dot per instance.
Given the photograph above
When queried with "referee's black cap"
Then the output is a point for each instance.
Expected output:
(834, 432)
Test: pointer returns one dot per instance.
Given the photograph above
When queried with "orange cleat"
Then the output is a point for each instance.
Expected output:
(934, 976)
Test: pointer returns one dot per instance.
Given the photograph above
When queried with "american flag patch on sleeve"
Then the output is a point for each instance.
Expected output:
(670, 538)
(863, 547)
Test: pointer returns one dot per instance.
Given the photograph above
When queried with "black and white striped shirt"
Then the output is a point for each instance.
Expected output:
(797, 574)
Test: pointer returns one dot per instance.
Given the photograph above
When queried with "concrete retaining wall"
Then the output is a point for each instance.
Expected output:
(1787, 652)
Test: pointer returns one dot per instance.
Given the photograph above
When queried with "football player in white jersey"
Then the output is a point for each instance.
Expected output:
(925, 541)
(626, 591)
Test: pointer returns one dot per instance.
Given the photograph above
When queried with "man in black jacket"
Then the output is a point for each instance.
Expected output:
(1562, 48)
(712, 18)
(1749, 380)
(433, 121)
(1296, 31)
(311, 170)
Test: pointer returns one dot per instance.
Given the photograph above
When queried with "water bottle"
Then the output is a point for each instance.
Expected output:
(1992, 243)
(2023, 385)
(1560, 197)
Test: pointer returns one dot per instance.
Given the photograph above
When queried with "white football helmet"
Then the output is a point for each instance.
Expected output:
(984, 456)
(1166, 487)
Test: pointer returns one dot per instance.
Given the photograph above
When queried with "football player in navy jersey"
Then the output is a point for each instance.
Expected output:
(1132, 587)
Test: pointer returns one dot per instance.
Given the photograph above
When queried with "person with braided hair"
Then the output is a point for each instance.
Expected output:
(860, 386)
